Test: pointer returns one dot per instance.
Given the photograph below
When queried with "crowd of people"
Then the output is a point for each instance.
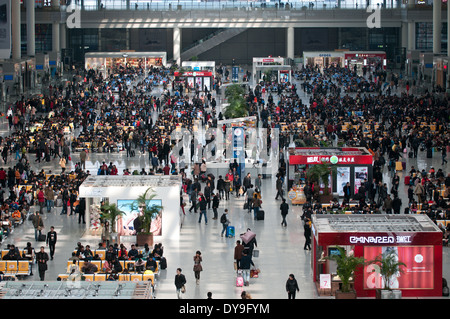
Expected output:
(131, 112)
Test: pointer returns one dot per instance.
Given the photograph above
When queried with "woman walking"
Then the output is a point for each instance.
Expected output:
(197, 266)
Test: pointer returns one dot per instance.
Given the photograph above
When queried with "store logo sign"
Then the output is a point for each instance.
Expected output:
(374, 19)
(380, 239)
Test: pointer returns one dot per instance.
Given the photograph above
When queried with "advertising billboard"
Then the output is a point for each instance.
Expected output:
(417, 274)
(125, 225)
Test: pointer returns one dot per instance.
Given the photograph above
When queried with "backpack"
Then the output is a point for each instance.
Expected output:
(223, 219)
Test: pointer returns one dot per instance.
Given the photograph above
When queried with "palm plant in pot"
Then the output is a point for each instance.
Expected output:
(148, 213)
(318, 174)
(389, 267)
(111, 213)
(346, 264)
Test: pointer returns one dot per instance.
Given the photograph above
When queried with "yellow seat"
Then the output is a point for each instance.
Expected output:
(23, 267)
(89, 277)
(124, 277)
(69, 264)
(100, 277)
(136, 277)
(147, 277)
(101, 253)
(4, 252)
(11, 267)
(3, 266)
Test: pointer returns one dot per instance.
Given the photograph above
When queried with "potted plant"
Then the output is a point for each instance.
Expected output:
(389, 267)
(346, 266)
(111, 212)
(320, 173)
(148, 212)
(237, 106)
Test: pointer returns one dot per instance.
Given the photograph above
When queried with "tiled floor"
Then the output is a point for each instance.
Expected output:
(281, 248)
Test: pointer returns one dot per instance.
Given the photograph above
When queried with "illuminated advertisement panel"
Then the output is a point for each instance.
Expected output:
(417, 274)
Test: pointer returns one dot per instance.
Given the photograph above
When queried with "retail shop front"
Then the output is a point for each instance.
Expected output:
(353, 165)
(111, 62)
(371, 60)
(415, 240)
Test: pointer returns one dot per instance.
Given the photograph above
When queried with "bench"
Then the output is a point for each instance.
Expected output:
(122, 277)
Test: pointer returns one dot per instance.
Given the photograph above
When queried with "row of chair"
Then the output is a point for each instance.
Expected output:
(99, 264)
(15, 267)
(102, 253)
(121, 277)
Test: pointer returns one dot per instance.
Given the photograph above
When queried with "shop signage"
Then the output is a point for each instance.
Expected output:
(380, 239)
(325, 281)
(325, 55)
(328, 159)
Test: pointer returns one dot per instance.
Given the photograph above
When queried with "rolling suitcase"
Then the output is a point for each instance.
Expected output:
(163, 263)
(398, 166)
(407, 179)
(410, 154)
(239, 279)
(230, 231)
(404, 165)
(260, 215)
(430, 153)
(42, 237)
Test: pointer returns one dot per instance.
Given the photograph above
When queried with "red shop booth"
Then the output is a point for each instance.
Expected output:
(416, 240)
(196, 79)
(354, 165)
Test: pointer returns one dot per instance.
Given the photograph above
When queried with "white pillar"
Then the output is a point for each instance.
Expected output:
(63, 36)
(31, 37)
(404, 35)
(411, 4)
(15, 29)
(437, 26)
(55, 37)
(177, 46)
(448, 30)
(411, 35)
(290, 43)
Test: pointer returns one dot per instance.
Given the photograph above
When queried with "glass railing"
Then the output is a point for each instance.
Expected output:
(163, 5)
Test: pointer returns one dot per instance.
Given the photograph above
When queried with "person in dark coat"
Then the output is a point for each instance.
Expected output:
(307, 234)
(41, 259)
(284, 207)
(291, 286)
(180, 281)
(81, 210)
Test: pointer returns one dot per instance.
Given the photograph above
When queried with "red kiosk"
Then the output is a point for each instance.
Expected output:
(416, 240)
(354, 165)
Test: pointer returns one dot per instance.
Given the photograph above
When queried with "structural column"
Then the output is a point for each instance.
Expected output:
(55, 37)
(437, 26)
(15, 30)
(290, 43)
(31, 37)
(63, 36)
(177, 46)
(411, 35)
(404, 35)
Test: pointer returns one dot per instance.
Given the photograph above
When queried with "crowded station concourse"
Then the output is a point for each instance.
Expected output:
(120, 126)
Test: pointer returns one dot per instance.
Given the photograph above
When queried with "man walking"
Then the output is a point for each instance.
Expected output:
(83, 156)
(279, 186)
(180, 281)
(284, 207)
(203, 207)
(42, 258)
(51, 241)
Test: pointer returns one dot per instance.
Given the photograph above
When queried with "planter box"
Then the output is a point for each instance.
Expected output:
(345, 295)
(143, 239)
